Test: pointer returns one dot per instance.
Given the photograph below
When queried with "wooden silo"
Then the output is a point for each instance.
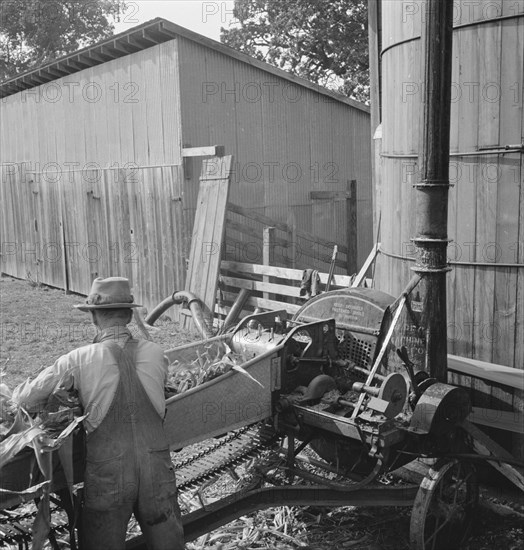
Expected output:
(485, 288)
(486, 285)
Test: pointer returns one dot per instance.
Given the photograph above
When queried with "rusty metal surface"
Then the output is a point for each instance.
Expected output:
(221, 512)
(440, 409)
(444, 508)
(226, 403)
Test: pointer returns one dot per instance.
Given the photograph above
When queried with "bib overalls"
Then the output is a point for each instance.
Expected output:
(129, 470)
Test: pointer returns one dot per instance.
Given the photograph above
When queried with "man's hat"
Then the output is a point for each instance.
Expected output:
(110, 293)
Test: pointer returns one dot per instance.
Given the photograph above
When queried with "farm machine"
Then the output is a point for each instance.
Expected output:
(324, 397)
(324, 403)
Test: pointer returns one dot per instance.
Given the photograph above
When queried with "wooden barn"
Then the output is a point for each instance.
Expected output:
(100, 158)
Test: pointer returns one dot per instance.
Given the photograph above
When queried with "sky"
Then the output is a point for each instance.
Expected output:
(202, 16)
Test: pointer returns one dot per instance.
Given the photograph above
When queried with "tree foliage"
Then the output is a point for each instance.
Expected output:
(33, 32)
(324, 41)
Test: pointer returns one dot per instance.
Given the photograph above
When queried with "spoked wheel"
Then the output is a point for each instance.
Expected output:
(444, 507)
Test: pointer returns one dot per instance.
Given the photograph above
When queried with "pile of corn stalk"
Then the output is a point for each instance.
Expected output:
(46, 433)
(216, 359)
(272, 528)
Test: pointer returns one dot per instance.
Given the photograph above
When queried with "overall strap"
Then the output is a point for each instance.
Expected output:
(126, 361)
(129, 382)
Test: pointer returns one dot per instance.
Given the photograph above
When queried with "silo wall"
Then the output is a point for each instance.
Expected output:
(485, 304)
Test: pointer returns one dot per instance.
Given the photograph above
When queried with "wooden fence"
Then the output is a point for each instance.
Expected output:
(252, 237)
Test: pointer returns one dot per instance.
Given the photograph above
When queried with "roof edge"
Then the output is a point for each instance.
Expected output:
(141, 37)
(231, 52)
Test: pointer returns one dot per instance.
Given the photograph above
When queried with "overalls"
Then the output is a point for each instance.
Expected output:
(129, 470)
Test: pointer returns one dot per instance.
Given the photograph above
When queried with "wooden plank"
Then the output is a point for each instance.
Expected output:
(486, 188)
(329, 195)
(504, 250)
(209, 229)
(211, 151)
(262, 303)
(487, 447)
(239, 251)
(168, 56)
(153, 104)
(507, 376)
(139, 120)
(502, 420)
(508, 314)
(125, 103)
(323, 166)
(252, 232)
(282, 226)
(222, 311)
(367, 264)
(468, 105)
(261, 286)
(282, 272)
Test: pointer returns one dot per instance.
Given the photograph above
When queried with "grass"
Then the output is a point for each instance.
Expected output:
(38, 324)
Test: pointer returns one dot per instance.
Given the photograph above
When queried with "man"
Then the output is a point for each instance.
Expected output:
(120, 383)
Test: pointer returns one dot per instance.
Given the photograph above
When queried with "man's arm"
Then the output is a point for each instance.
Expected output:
(33, 395)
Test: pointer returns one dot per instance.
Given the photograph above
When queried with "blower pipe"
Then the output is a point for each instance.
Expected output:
(194, 304)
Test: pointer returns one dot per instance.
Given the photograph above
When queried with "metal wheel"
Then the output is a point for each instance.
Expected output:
(444, 507)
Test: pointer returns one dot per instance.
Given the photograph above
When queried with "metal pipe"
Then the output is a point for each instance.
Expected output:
(431, 238)
(195, 306)
(452, 262)
(235, 310)
(161, 308)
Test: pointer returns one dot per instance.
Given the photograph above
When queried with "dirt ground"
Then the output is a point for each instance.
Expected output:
(38, 324)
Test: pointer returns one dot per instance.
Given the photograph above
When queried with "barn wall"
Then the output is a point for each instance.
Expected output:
(101, 154)
(102, 163)
(287, 141)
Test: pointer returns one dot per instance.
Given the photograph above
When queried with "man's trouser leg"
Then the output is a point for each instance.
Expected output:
(157, 509)
(105, 530)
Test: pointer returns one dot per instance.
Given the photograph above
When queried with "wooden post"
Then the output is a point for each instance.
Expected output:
(292, 238)
(351, 233)
(268, 255)
(432, 190)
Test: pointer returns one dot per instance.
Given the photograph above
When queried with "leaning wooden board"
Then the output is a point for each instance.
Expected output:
(208, 232)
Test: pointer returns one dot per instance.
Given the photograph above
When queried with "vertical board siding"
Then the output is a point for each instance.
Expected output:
(18, 240)
(104, 145)
(91, 209)
(171, 108)
(287, 141)
(485, 304)
(122, 111)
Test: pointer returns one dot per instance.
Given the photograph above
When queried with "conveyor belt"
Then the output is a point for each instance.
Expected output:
(204, 465)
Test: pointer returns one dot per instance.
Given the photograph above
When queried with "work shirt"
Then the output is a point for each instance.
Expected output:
(95, 375)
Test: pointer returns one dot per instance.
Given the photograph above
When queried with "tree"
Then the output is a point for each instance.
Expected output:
(324, 41)
(33, 32)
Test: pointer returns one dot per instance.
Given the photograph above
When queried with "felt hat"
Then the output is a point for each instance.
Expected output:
(109, 293)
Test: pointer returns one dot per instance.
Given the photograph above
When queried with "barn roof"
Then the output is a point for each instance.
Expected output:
(139, 38)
